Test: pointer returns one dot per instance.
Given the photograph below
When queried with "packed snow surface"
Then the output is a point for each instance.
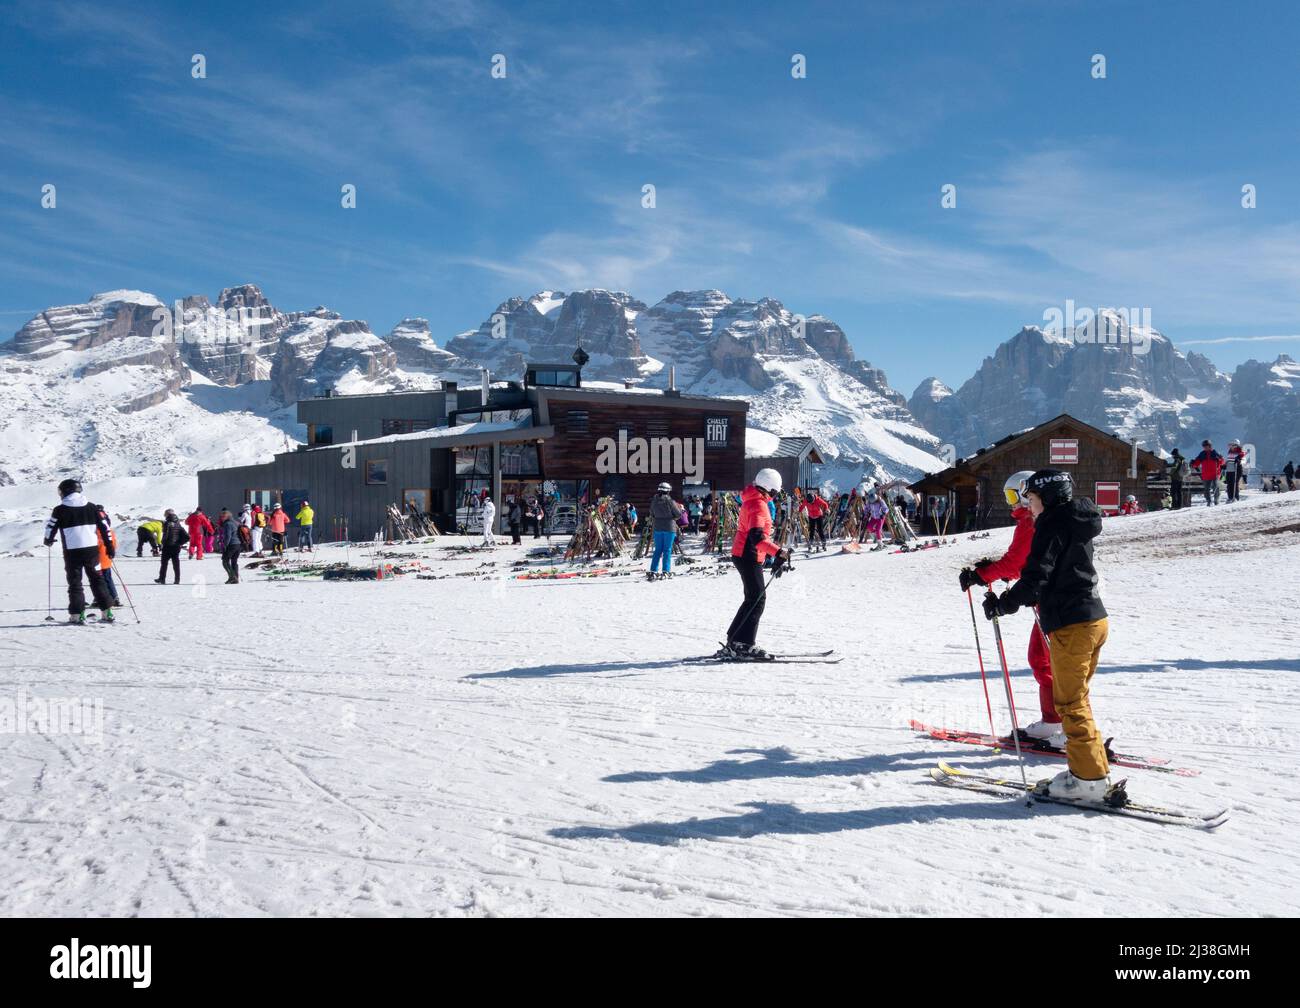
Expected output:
(480, 745)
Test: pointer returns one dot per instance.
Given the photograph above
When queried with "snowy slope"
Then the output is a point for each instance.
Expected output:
(329, 757)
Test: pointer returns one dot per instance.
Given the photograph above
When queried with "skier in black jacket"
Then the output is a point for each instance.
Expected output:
(80, 524)
(174, 538)
(1059, 577)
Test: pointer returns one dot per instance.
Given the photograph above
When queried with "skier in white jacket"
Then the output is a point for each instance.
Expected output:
(489, 519)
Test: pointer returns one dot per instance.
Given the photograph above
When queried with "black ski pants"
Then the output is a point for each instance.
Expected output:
(143, 538)
(744, 628)
(75, 563)
(230, 560)
(1176, 492)
(170, 555)
(817, 530)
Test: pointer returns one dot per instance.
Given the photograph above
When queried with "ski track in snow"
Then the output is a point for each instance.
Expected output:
(496, 747)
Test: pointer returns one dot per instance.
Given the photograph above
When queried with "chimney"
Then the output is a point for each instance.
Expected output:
(627, 384)
(672, 376)
(487, 384)
(450, 397)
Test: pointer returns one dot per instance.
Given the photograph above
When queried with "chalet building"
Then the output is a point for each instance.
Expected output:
(437, 451)
(1102, 465)
(795, 458)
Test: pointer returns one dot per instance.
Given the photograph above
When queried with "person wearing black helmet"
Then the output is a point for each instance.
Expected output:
(82, 526)
(1059, 577)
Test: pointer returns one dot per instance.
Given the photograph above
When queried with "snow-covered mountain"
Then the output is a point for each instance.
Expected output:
(1267, 398)
(1129, 380)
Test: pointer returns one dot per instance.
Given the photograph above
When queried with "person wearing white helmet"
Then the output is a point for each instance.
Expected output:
(752, 545)
(1047, 729)
(1131, 506)
(665, 513)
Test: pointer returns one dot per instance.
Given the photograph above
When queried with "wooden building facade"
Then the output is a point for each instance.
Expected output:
(1103, 466)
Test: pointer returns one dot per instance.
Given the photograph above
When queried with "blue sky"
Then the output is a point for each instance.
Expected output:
(822, 192)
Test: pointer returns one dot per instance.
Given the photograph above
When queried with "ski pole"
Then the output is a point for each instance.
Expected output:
(1011, 703)
(130, 600)
(49, 584)
(993, 733)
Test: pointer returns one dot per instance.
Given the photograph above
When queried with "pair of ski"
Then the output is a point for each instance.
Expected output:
(806, 658)
(1037, 747)
(1115, 802)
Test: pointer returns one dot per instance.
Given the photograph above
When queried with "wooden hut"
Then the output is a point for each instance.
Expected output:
(1104, 467)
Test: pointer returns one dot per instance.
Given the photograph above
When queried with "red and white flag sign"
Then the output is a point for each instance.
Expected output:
(1064, 451)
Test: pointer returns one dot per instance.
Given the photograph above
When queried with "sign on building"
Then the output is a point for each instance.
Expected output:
(715, 431)
(1107, 498)
(1063, 451)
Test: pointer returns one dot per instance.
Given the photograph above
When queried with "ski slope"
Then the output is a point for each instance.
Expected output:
(477, 745)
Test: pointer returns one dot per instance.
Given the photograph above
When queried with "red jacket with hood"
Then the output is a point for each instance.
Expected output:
(1008, 567)
(754, 527)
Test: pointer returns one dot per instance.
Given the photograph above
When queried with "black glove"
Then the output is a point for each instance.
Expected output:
(995, 606)
(969, 579)
(112, 554)
(49, 542)
(781, 563)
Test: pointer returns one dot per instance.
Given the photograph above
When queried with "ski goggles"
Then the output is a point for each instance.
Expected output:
(1012, 495)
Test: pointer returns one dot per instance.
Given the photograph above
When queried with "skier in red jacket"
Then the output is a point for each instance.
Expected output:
(199, 526)
(1007, 568)
(753, 543)
(816, 509)
(1209, 464)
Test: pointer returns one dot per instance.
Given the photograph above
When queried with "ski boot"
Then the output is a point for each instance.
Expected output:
(159, 580)
(77, 619)
(1044, 733)
(748, 652)
(107, 616)
(1071, 788)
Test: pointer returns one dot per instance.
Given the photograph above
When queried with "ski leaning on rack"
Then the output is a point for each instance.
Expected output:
(1037, 747)
(807, 657)
(1116, 801)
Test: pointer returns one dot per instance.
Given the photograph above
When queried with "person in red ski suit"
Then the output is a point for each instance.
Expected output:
(1007, 568)
(199, 526)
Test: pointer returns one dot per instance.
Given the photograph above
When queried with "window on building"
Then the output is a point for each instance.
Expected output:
(577, 422)
(321, 434)
(519, 459)
(494, 416)
(377, 472)
(263, 497)
(562, 377)
(404, 426)
(475, 460)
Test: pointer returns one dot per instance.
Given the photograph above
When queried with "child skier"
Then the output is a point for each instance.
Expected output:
(81, 525)
(752, 544)
(106, 557)
(1007, 568)
(1059, 576)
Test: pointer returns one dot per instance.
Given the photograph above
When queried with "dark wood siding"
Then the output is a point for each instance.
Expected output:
(572, 453)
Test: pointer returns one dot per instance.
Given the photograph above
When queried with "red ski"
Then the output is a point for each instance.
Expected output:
(1037, 747)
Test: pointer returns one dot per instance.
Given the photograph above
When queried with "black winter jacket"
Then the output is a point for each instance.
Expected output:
(1058, 574)
(174, 535)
